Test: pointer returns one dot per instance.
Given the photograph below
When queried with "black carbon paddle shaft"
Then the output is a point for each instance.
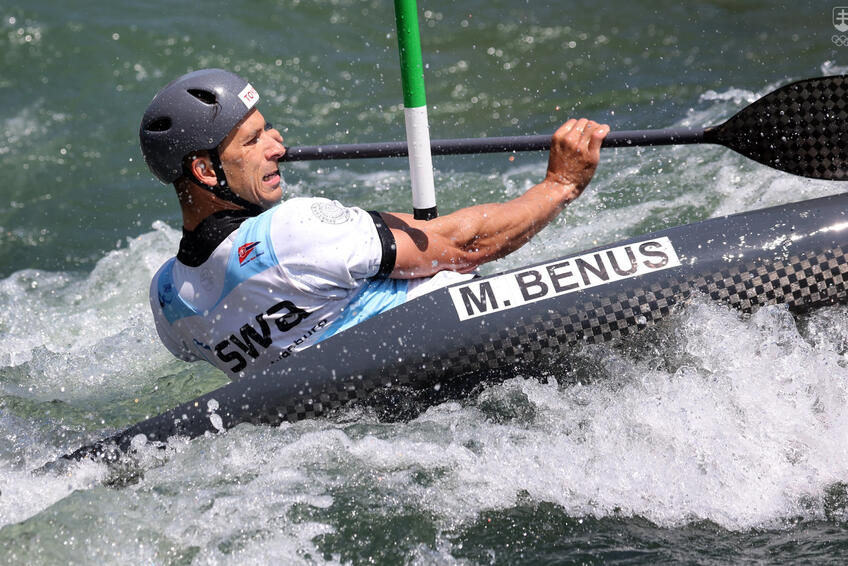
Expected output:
(800, 128)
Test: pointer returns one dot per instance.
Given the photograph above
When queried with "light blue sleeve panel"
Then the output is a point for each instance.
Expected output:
(378, 295)
(172, 305)
(252, 253)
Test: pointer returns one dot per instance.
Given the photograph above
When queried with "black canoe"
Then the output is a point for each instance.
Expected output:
(793, 254)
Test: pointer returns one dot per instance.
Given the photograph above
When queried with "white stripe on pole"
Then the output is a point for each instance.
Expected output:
(420, 158)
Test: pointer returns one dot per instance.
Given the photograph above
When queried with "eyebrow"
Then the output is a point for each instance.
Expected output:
(253, 133)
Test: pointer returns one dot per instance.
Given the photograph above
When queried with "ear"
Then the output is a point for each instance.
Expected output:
(200, 166)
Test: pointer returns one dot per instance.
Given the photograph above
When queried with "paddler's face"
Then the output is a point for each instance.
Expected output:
(249, 157)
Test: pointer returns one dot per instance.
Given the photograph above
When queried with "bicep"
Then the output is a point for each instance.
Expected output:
(424, 248)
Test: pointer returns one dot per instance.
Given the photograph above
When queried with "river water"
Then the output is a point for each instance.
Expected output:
(713, 438)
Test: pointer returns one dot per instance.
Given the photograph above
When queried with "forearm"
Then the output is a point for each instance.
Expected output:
(488, 232)
(465, 239)
(469, 237)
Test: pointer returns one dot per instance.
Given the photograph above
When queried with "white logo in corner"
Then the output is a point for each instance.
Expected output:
(249, 96)
(840, 22)
(840, 18)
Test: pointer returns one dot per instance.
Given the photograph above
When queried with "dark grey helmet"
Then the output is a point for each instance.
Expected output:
(194, 112)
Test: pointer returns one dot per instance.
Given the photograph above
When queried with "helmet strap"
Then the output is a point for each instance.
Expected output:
(222, 190)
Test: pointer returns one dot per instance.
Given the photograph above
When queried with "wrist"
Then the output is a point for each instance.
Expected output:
(565, 189)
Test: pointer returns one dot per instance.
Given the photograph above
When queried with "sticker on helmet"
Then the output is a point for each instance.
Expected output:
(249, 96)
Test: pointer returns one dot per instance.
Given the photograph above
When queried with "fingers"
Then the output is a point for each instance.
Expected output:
(575, 152)
(596, 138)
(565, 128)
(577, 129)
(582, 134)
(584, 129)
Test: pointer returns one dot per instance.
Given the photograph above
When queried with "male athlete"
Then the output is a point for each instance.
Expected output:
(256, 279)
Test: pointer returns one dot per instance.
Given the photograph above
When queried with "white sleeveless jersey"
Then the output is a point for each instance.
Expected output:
(282, 281)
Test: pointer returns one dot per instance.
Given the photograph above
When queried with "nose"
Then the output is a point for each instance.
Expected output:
(276, 150)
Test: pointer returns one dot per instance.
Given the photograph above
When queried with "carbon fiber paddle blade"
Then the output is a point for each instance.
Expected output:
(801, 128)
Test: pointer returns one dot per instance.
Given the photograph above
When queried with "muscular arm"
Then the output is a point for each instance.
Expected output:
(469, 237)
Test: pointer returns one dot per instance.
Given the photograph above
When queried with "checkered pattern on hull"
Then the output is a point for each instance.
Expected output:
(802, 281)
(801, 128)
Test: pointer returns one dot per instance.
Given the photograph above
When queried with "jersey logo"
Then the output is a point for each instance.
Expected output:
(330, 212)
(285, 315)
(248, 253)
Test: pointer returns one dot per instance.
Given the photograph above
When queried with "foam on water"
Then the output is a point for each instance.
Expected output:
(75, 347)
(65, 313)
(737, 420)
(25, 494)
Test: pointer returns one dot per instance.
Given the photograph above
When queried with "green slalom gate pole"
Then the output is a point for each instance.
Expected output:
(415, 110)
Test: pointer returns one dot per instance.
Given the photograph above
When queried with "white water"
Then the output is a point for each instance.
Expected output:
(739, 421)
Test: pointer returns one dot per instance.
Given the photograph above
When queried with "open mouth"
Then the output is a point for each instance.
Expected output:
(273, 176)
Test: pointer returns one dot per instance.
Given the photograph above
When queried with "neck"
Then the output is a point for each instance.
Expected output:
(198, 203)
